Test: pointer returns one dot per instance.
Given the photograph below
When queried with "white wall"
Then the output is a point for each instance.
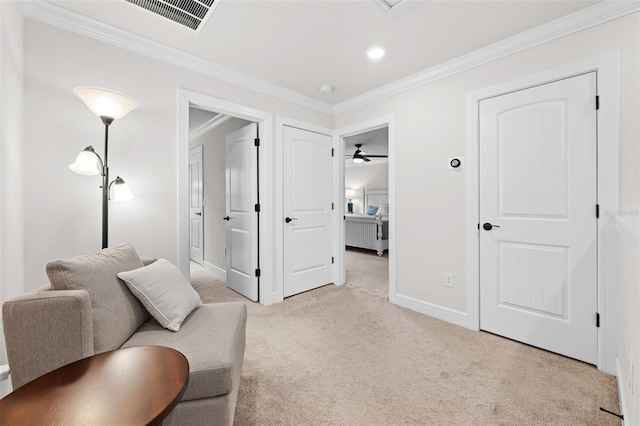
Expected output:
(431, 126)
(626, 226)
(11, 153)
(62, 209)
(215, 229)
(367, 176)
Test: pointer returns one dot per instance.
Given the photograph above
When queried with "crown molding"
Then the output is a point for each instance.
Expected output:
(597, 14)
(71, 21)
(586, 18)
(208, 125)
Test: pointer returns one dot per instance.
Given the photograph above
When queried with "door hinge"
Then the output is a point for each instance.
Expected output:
(332, 259)
(257, 207)
(256, 141)
(332, 151)
(258, 272)
(333, 206)
(597, 102)
(597, 211)
(597, 319)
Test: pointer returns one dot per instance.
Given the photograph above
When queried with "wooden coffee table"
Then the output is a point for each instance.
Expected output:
(132, 386)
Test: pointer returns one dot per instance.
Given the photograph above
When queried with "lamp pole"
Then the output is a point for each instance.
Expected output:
(105, 183)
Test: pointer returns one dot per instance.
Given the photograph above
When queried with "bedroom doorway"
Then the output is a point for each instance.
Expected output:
(366, 207)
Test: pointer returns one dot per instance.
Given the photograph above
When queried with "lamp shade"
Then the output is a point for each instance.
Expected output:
(106, 103)
(121, 191)
(86, 163)
(350, 193)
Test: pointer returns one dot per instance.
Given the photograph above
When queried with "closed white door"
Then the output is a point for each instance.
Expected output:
(307, 208)
(242, 218)
(538, 229)
(196, 196)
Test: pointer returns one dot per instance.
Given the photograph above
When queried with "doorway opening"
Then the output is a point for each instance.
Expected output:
(368, 188)
(223, 117)
(366, 223)
(209, 210)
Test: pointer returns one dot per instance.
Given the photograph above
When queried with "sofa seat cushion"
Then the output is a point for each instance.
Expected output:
(116, 313)
(212, 339)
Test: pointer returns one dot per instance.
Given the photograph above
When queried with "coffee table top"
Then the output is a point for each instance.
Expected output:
(138, 385)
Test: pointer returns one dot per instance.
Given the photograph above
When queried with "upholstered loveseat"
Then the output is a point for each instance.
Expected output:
(87, 309)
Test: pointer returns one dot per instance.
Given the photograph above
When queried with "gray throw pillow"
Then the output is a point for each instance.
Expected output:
(116, 313)
(164, 291)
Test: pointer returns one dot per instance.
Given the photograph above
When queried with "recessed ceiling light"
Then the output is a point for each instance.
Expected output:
(376, 52)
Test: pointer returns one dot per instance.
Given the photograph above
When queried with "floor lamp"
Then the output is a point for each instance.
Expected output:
(109, 106)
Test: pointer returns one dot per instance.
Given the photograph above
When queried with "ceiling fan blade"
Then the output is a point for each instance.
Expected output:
(377, 156)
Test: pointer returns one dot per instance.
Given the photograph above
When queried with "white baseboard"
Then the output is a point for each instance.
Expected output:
(436, 311)
(218, 272)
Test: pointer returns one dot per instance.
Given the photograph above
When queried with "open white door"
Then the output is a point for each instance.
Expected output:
(538, 229)
(242, 217)
(196, 196)
(307, 208)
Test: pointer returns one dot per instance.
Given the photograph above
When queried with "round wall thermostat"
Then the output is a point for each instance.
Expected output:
(455, 163)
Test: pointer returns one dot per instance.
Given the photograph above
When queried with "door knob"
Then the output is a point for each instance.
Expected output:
(198, 214)
(226, 218)
(289, 219)
(487, 226)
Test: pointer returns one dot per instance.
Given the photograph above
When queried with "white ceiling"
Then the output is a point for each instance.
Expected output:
(301, 44)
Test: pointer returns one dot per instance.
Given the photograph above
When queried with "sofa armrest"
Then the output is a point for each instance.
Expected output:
(45, 330)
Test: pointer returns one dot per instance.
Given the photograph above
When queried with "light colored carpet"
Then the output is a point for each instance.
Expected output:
(367, 271)
(345, 356)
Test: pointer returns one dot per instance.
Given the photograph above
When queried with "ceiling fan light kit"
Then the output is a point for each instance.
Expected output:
(360, 156)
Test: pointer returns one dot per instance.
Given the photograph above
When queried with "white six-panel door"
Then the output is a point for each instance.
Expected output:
(307, 205)
(538, 255)
(196, 195)
(242, 219)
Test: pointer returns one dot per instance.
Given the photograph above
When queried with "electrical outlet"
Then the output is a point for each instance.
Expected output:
(448, 279)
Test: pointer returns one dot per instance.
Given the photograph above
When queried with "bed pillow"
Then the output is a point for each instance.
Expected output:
(164, 291)
(383, 210)
(371, 210)
(116, 313)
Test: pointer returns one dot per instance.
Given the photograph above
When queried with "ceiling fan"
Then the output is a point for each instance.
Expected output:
(360, 156)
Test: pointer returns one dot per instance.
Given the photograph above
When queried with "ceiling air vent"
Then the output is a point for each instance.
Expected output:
(190, 13)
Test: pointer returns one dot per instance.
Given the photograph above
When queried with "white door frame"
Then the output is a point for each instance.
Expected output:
(606, 67)
(277, 290)
(388, 121)
(187, 98)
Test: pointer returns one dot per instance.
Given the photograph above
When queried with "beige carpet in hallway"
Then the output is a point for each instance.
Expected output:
(365, 270)
(345, 356)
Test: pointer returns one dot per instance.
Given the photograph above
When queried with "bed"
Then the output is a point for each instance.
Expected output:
(370, 231)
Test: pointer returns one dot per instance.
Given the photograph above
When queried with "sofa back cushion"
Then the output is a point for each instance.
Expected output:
(116, 313)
